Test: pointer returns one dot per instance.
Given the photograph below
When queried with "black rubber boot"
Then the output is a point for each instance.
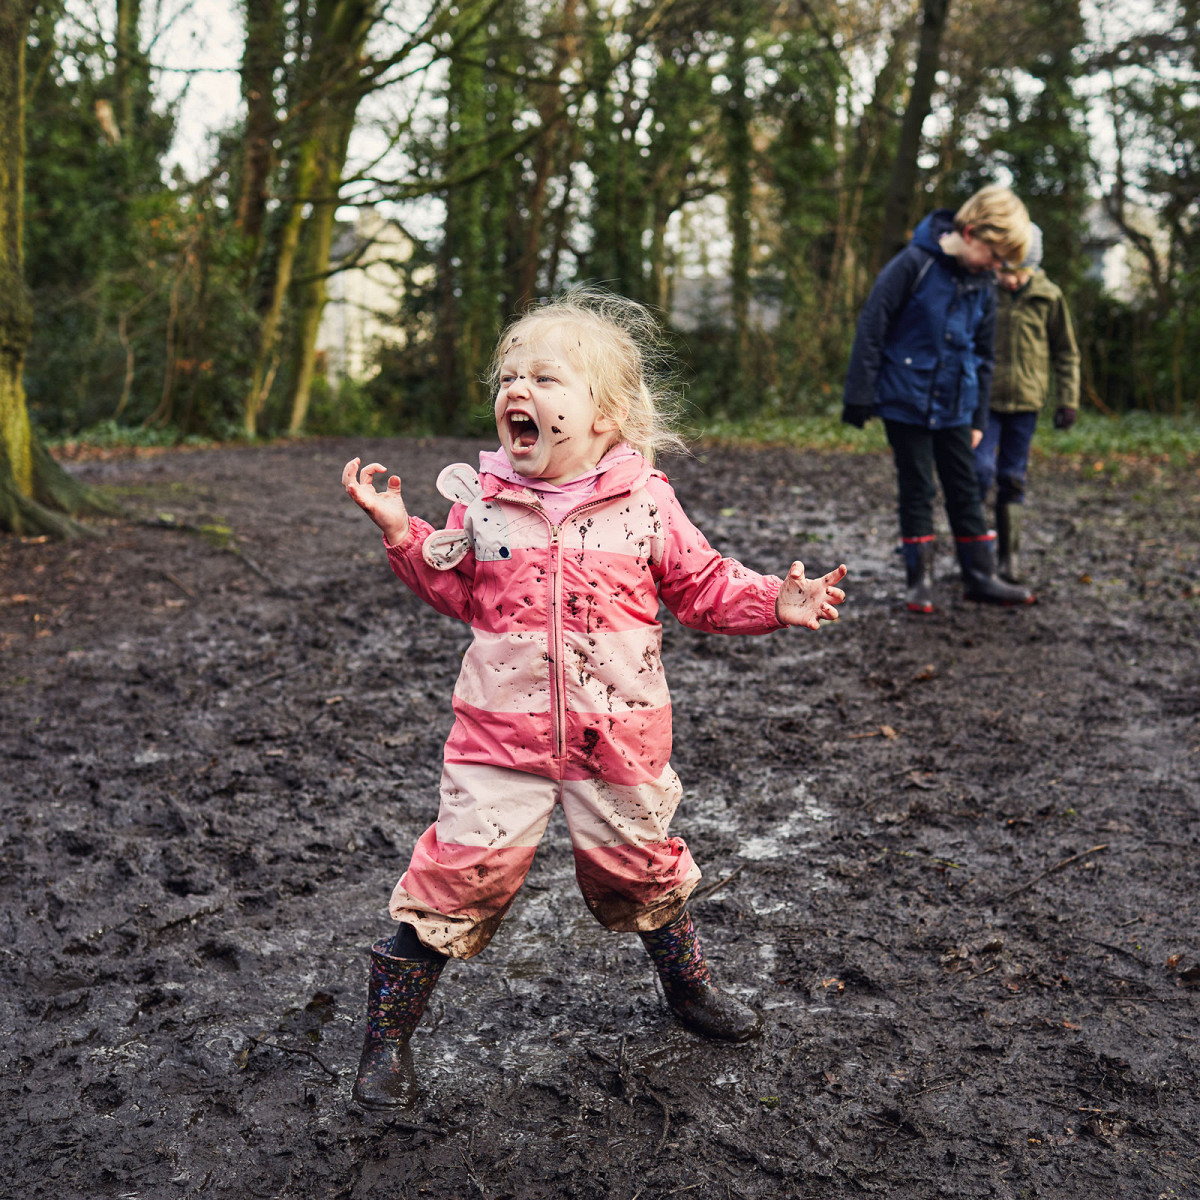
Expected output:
(918, 571)
(1008, 542)
(396, 997)
(976, 556)
(688, 986)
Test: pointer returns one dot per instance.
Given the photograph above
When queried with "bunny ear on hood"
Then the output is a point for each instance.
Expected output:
(460, 483)
(448, 547)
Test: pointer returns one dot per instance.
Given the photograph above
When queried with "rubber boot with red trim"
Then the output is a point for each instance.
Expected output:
(977, 558)
(691, 994)
(397, 994)
(918, 570)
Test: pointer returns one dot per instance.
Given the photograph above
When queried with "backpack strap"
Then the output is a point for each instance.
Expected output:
(920, 275)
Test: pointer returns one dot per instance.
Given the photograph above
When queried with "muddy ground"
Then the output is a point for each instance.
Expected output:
(955, 860)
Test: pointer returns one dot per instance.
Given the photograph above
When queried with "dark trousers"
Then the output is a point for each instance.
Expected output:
(1003, 455)
(917, 452)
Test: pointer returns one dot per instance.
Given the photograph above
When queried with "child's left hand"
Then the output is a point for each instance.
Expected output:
(808, 602)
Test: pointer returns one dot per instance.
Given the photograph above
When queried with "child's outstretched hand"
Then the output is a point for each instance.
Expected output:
(808, 602)
(385, 508)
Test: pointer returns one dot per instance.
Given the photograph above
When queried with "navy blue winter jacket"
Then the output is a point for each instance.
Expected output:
(923, 347)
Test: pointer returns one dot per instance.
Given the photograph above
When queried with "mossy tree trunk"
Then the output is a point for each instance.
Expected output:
(323, 106)
(902, 184)
(260, 58)
(36, 494)
(315, 254)
(740, 390)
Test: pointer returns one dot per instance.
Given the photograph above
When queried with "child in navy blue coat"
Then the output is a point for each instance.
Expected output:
(922, 361)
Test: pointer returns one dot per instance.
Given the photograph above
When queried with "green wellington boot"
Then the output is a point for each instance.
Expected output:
(1008, 542)
(397, 994)
(689, 989)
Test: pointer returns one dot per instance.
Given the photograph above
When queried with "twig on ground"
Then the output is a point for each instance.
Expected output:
(662, 1140)
(1066, 862)
(183, 587)
(353, 749)
(252, 564)
(712, 889)
(261, 1040)
(283, 674)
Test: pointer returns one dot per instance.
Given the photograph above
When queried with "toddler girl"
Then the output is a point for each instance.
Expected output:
(557, 553)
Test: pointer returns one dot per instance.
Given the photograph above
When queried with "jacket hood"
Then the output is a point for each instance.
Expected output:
(1038, 285)
(620, 469)
(934, 227)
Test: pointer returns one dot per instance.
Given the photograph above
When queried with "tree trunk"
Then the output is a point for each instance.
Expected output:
(739, 152)
(259, 60)
(32, 484)
(904, 169)
(318, 242)
(128, 65)
(266, 360)
(327, 94)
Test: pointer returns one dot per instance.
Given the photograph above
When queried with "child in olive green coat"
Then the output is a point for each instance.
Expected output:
(1034, 344)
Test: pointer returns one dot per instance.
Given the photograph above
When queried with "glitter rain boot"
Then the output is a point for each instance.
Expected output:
(691, 995)
(397, 994)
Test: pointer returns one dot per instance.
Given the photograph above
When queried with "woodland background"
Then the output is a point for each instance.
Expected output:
(783, 148)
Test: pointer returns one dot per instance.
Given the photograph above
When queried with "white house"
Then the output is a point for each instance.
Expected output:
(363, 295)
(1112, 260)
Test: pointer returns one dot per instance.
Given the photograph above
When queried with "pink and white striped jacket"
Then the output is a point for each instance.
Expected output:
(564, 677)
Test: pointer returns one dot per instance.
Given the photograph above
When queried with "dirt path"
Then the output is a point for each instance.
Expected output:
(954, 860)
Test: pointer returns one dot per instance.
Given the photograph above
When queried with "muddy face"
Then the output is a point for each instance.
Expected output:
(546, 419)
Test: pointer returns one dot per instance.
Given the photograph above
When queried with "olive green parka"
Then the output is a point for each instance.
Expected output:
(1034, 337)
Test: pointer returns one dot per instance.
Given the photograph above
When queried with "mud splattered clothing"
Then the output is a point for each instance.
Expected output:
(561, 699)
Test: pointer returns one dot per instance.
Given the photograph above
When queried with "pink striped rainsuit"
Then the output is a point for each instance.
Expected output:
(561, 698)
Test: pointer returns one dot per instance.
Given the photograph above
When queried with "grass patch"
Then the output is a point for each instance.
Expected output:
(822, 432)
(1134, 437)
(108, 437)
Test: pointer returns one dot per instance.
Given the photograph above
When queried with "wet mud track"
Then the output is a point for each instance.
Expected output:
(954, 860)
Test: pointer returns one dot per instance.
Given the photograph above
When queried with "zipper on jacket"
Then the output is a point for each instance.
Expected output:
(558, 698)
(557, 648)
(558, 674)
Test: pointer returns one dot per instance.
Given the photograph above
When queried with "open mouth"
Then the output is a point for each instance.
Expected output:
(522, 429)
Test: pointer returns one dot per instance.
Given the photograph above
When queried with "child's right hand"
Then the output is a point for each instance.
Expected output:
(385, 508)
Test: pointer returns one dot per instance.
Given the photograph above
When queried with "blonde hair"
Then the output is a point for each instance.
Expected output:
(996, 214)
(622, 352)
